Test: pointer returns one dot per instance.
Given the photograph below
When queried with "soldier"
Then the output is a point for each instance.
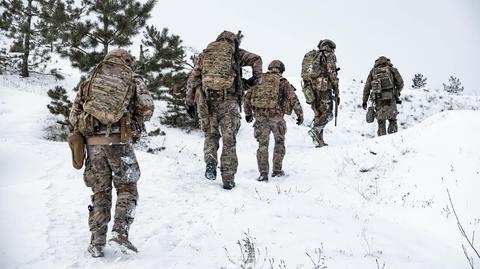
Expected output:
(320, 86)
(269, 100)
(109, 112)
(383, 87)
(215, 86)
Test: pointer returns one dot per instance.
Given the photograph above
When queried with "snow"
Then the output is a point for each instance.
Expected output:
(361, 199)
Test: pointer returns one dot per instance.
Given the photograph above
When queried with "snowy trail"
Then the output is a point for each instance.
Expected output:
(361, 199)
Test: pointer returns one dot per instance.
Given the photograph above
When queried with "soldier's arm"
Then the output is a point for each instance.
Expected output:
(398, 79)
(194, 81)
(247, 103)
(368, 86)
(77, 106)
(291, 97)
(332, 70)
(143, 101)
(252, 60)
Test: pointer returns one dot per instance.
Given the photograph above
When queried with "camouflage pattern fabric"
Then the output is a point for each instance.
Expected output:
(223, 122)
(106, 164)
(384, 101)
(323, 108)
(217, 72)
(265, 93)
(263, 126)
(270, 120)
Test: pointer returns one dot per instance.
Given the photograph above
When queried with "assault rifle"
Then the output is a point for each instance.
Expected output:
(337, 100)
(238, 75)
(396, 96)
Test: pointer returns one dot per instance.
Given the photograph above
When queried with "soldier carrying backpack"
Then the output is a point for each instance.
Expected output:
(383, 87)
(320, 86)
(268, 102)
(108, 114)
(214, 90)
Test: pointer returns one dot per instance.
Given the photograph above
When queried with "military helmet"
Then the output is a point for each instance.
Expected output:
(277, 64)
(327, 42)
(227, 36)
(121, 54)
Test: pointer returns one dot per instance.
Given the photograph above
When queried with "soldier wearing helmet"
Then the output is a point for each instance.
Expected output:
(267, 103)
(110, 155)
(214, 89)
(320, 86)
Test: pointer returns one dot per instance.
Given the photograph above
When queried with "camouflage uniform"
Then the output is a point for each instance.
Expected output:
(270, 120)
(219, 111)
(385, 108)
(325, 87)
(111, 159)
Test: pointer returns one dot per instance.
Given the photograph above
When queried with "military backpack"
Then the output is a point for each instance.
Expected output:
(217, 71)
(109, 91)
(382, 79)
(265, 94)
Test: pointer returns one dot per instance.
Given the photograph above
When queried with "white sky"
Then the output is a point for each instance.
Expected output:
(437, 38)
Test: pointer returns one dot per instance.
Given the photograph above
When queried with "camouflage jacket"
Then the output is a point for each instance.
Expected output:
(287, 100)
(140, 108)
(195, 77)
(397, 78)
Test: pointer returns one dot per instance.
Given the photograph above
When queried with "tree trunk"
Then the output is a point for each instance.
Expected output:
(105, 30)
(26, 46)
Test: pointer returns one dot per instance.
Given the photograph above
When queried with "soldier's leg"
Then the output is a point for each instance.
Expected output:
(392, 126)
(262, 135)
(126, 172)
(229, 125)
(211, 145)
(323, 115)
(381, 127)
(279, 129)
(98, 176)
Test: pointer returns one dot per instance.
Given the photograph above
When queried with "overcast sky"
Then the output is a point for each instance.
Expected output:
(438, 38)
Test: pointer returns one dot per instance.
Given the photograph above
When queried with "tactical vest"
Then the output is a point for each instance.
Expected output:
(266, 93)
(382, 79)
(217, 71)
(109, 91)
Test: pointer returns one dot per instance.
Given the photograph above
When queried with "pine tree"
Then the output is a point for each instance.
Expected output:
(419, 81)
(162, 64)
(60, 106)
(97, 25)
(454, 86)
(23, 20)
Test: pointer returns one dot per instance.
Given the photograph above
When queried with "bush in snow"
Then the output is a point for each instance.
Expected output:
(454, 86)
(60, 107)
(418, 81)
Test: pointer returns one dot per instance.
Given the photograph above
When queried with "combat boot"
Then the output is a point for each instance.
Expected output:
(313, 134)
(211, 170)
(321, 143)
(228, 182)
(263, 177)
(392, 126)
(122, 240)
(280, 173)
(96, 250)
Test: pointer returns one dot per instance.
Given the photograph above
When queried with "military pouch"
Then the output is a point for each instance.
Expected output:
(308, 92)
(76, 142)
(321, 83)
(376, 86)
(386, 95)
(370, 115)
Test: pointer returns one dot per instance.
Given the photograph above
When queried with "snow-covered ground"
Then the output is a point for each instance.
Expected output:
(361, 199)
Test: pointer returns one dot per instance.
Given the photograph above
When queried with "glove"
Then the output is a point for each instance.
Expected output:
(249, 118)
(299, 120)
(191, 110)
(364, 106)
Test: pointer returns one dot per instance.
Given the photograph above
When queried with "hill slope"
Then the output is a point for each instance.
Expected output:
(359, 199)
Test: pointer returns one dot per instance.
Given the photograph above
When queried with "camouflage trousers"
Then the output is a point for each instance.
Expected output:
(263, 126)
(106, 164)
(323, 108)
(223, 121)
(386, 110)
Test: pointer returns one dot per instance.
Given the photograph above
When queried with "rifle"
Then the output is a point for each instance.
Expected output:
(337, 100)
(238, 75)
(396, 95)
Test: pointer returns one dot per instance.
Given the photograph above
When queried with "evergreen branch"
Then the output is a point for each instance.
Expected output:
(122, 29)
